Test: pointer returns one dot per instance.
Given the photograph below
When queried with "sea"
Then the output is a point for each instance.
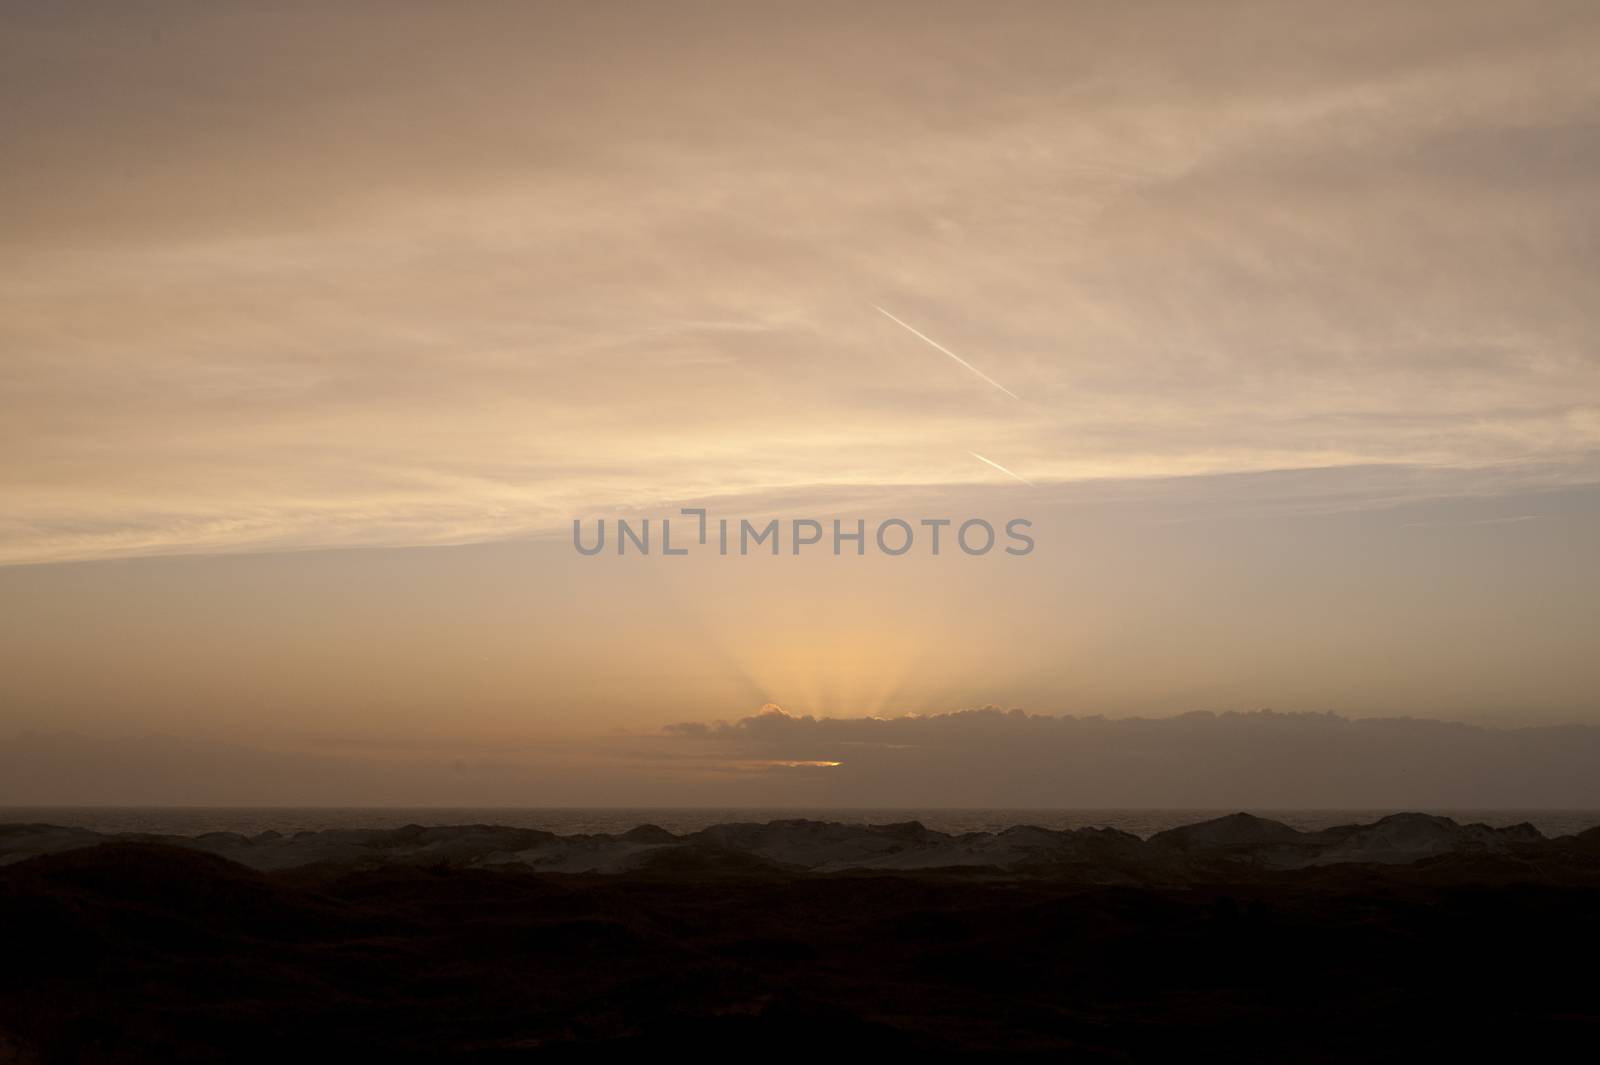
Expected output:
(566, 821)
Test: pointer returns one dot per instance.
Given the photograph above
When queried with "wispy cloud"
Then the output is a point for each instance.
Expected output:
(1355, 236)
(1476, 521)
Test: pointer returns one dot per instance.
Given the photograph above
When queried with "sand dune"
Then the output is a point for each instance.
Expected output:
(830, 847)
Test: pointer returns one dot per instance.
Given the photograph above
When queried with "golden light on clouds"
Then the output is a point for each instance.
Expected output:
(800, 765)
(257, 294)
(1277, 320)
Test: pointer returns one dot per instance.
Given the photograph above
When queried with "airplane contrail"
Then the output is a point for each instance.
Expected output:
(1002, 469)
(947, 351)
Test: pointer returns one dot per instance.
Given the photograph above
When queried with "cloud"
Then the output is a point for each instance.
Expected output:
(259, 293)
(982, 758)
(991, 757)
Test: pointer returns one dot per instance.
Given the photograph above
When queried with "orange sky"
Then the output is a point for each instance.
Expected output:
(318, 327)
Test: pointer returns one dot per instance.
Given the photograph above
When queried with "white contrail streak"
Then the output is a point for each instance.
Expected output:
(947, 351)
(1002, 469)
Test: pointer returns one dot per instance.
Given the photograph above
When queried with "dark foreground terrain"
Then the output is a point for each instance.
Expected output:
(130, 951)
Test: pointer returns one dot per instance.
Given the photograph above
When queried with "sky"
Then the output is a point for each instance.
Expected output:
(320, 324)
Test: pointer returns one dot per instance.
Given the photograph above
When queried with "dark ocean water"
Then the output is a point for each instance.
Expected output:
(194, 820)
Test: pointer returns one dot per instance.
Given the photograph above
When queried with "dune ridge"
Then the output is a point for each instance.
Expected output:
(822, 847)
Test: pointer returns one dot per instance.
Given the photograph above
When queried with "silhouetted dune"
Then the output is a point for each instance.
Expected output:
(826, 847)
(145, 952)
